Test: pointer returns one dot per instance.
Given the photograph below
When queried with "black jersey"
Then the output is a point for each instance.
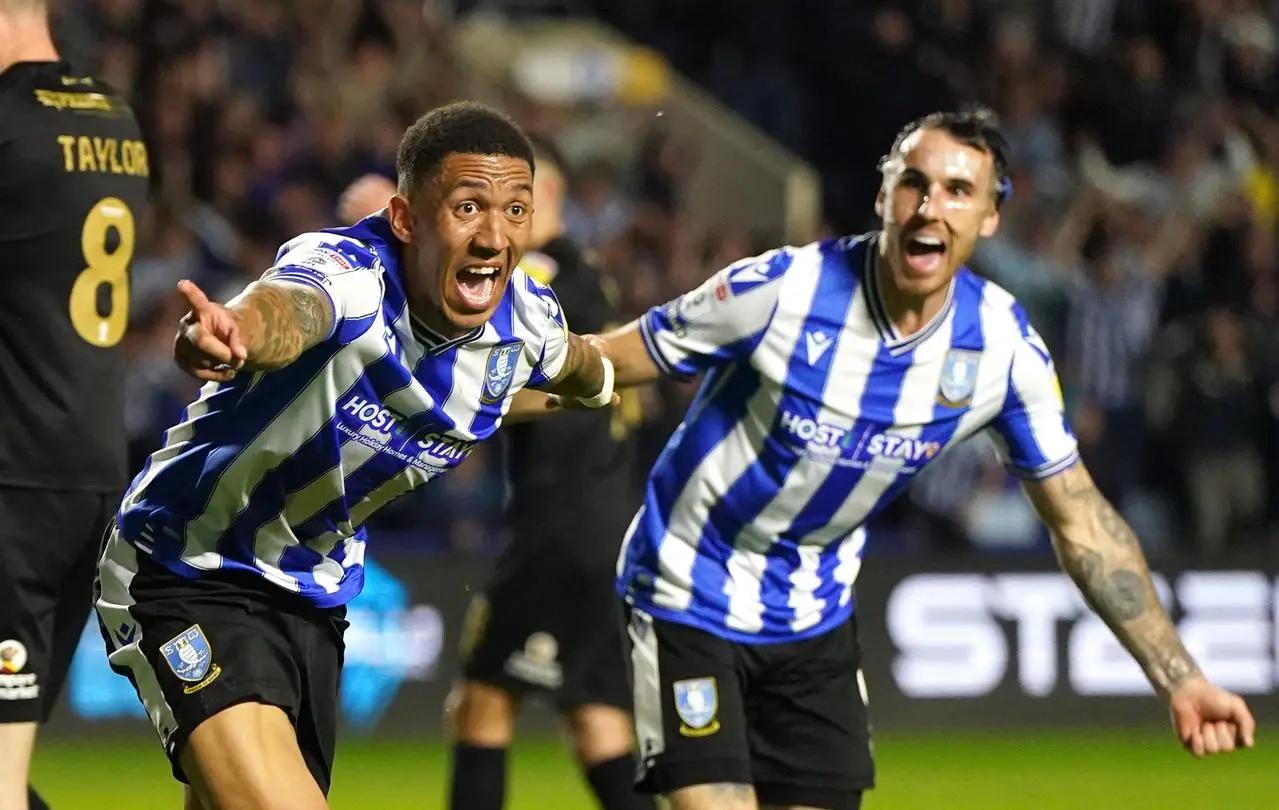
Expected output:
(73, 182)
(573, 476)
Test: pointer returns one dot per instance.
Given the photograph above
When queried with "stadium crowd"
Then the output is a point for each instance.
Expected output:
(1141, 233)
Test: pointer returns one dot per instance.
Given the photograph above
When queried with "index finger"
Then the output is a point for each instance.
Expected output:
(1246, 723)
(194, 295)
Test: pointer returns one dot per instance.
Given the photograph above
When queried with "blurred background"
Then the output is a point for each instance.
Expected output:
(1141, 237)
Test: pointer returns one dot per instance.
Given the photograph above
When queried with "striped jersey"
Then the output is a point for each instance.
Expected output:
(813, 415)
(274, 472)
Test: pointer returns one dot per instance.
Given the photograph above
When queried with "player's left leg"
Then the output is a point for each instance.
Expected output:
(808, 726)
(603, 742)
(596, 700)
(481, 720)
(481, 707)
(47, 544)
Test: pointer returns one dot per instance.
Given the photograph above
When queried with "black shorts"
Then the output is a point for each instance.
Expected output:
(546, 625)
(193, 648)
(48, 551)
(788, 718)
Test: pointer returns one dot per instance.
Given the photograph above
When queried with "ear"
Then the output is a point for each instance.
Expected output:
(990, 224)
(401, 218)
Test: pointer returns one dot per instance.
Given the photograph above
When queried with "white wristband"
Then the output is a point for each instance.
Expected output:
(605, 396)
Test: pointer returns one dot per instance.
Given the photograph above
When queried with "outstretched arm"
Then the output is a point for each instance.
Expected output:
(1101, 554)
(266, 327)
(279, 320)
(632, 366)
(585, 372)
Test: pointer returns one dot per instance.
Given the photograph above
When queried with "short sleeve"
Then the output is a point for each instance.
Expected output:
(718, 322)
(1031, 432)
(343, 269)
(551, 328)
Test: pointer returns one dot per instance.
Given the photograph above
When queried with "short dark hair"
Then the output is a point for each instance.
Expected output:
(461, 127)
(977, 127)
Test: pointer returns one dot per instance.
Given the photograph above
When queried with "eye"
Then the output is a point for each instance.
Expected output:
(468, 209)
(518, 210)
(960, 190)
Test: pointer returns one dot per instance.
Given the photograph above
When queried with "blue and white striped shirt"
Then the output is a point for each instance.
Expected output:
(813, 415)
(274, 472)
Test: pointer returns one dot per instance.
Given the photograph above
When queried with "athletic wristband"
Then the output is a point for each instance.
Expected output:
(605, 396)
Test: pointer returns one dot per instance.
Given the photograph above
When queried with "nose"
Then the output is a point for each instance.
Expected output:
(490, 236)
(929, 207)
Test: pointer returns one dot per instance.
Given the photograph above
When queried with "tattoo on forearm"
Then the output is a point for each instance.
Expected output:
(1107, 563)
(280, 323)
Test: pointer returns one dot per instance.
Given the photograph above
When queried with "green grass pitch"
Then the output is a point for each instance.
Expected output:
(1059, 770)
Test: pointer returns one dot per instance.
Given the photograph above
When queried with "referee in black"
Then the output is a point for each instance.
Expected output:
(73, 182)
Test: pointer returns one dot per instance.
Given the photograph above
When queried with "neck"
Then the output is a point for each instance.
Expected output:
(28, 39)
(908, 313)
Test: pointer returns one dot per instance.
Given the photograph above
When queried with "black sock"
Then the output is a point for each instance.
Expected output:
(34, 800)
(479, 778)
(614, 785)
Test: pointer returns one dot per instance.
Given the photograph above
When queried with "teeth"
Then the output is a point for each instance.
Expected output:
(483, 271)
(931, 241)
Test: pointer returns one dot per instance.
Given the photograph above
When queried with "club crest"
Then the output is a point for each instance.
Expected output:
(958, 377)
(188, 654)
(500, 370)
(696, 703)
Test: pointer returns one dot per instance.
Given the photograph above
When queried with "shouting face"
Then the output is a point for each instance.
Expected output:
(936, 201)
(464, 231)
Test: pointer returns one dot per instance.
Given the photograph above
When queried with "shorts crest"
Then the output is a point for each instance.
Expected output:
(188, 654)
(697, 703)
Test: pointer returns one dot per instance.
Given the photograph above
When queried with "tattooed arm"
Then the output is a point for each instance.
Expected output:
(1102, 555)
(266, 327)
(279, 320)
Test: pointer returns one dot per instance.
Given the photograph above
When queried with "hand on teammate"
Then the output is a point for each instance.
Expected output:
(1209, 720)
(208, 346)
(554, 402)
(365, 196)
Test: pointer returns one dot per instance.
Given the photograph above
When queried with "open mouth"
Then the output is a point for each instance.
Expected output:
(476, 285)
(925, 254)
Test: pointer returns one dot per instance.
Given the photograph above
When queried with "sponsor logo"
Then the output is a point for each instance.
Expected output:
(858, 446)
(380, 428)
(538, 662)
(14, 683)
(965, 635)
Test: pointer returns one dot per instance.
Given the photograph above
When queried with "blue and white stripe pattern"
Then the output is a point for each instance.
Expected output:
(275, 472)
(812, 416)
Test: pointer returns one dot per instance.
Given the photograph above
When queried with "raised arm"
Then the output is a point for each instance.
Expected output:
(266, 327)
(279, 320)
(319, 287)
